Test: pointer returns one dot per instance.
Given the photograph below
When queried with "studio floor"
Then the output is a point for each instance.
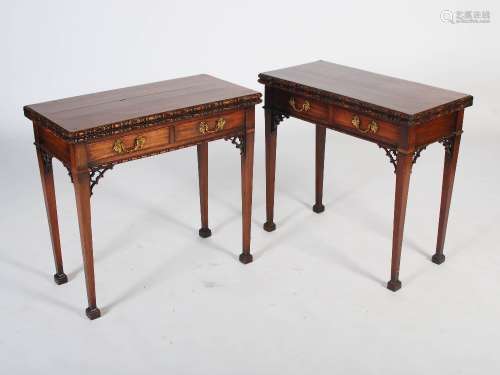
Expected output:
(314, 299)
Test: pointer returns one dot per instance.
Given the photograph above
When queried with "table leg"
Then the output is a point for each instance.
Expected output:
(202, 149)
(271, 134)
(403, 171)
(450, 165)
(320, 165)
(49, 194)
(81, 182)
(246, 195)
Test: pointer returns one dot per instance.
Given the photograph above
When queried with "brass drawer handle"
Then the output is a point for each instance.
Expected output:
(372, 126)
(219, 125)
(306, 106)
(119, 146)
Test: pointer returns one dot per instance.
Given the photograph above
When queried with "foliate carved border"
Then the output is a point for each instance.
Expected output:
(366, 108)
(147, 121)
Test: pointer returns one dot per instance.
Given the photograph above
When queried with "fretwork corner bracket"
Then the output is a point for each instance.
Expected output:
(96, 173)
(276, 118)
(47, 161)
(392, 154)
(416, 154)
(69, 172)
(46, 158)
(238, 141)
(448, 144)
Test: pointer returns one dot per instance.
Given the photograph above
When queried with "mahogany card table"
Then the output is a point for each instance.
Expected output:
(90, 134)
(402, 117)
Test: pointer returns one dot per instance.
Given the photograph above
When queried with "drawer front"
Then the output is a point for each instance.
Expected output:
(209, 127)
(299, 106)
(123, 146)
(365, 126)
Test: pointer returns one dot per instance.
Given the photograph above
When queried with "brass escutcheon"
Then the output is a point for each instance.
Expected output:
(306, 106)
(119, 146)
(219, 125)
(372, 126)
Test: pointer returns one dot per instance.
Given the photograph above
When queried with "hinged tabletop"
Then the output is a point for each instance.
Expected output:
(401, 101)
(92, 116)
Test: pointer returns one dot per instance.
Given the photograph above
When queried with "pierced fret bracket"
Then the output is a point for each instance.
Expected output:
(47, 161)
(238, 141)
(392, 154)
(276, 118)
(448, 144)
(69, 172)
(96, 173)
(46, 158)
(416, 154)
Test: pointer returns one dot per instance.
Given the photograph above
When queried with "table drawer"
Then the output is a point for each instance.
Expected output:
(365, 126)
(127, 145)
(300, 106)
(209, 127)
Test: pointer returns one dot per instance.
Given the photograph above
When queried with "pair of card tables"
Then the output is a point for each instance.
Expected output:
(90, 134)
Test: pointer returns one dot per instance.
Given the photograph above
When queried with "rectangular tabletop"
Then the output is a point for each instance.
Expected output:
(403, 99)
(165, 100)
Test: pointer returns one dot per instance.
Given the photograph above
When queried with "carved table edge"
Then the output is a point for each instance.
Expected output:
(366, 108)
(106, 130)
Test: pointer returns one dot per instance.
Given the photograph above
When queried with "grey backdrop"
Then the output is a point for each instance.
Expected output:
(314, 300)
